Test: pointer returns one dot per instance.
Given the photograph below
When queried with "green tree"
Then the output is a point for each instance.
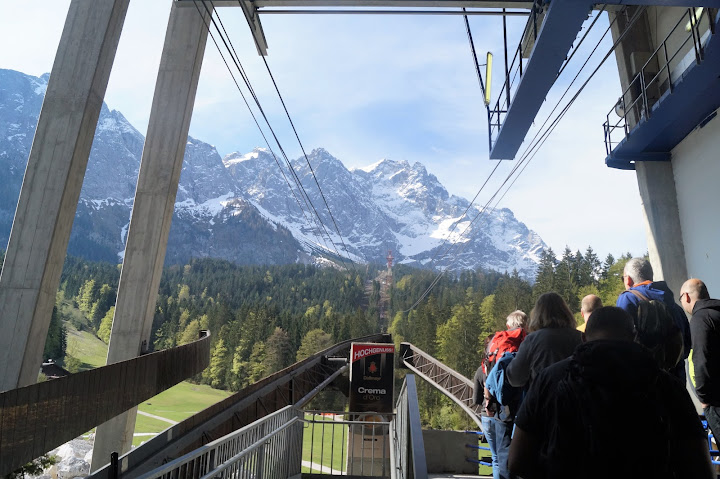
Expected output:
(611, 286)
(511, 294)
(106, 325)
(257, 364)
(86, 296)
(105, 299)
(457, 339)
(400, 328)
(191, 333)
(565, 284)
(590, 268)
(33, 468)
(545, 277)
(218, 365)
(607, 264)
(315, 340)
(56, 342)
(278, 351)
(487, 316)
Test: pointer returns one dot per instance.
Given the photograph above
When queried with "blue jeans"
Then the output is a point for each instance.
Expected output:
(498, 434)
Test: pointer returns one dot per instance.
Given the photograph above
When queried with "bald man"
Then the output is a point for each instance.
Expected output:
(589, 304)
(705, 330)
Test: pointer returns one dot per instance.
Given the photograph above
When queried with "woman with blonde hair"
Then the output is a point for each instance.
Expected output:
(552, 337)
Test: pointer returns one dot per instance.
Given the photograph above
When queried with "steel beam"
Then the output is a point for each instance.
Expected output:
(445, 379)
(563, 21)
(373, 3)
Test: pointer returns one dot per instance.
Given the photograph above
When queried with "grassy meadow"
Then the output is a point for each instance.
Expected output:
(171, 406)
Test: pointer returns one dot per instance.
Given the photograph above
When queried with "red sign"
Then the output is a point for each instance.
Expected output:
(371, 377)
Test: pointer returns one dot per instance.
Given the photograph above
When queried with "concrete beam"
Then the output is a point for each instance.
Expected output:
(563, 21)
(51, 187)
(160, 169)
(662, 222)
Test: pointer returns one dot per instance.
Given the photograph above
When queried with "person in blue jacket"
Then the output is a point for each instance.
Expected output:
(639, 286)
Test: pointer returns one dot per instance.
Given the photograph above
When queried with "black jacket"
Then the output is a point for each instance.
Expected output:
(705, 328)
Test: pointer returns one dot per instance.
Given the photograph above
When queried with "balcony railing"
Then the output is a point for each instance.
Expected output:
(514, 70)
(683, 46)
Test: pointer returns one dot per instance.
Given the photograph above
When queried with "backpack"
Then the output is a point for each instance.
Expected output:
(499, 387)
(656, 330)
(503, 342)
(592, 423)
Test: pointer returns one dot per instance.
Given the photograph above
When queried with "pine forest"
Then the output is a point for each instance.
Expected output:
(264, 318)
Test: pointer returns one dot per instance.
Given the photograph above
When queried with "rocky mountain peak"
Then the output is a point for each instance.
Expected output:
(247, 207)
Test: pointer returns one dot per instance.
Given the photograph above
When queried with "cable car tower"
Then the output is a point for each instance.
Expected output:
(389, 259)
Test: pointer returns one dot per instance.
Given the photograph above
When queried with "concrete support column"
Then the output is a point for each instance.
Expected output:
(662, 221)
(51, 187)
(152, 212)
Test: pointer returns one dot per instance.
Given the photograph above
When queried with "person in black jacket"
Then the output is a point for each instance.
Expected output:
(705, 329)
(580, 418)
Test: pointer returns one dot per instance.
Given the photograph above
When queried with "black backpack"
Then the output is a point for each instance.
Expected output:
(600, 433)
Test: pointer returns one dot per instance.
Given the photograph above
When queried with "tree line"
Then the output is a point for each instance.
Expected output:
(264, 318)
(459, 315)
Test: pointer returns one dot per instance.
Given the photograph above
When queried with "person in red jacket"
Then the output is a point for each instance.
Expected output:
(497, 421)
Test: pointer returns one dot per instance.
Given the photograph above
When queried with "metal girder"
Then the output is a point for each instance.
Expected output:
(375, 3)
(294, 384)
(448, 381)
(563, 21)
(251, 8)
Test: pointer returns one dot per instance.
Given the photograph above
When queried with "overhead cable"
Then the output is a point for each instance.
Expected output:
(531, 151)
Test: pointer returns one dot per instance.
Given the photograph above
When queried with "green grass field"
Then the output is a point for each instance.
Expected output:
(183, 400)
(176, 404)
(85, 346)
(325, 444)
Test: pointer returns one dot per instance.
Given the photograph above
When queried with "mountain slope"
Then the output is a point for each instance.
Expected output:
(241, 208)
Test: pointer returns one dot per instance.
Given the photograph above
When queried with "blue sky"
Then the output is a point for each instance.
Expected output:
(373, 87)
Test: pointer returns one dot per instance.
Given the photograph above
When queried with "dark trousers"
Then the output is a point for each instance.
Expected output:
(712, 414)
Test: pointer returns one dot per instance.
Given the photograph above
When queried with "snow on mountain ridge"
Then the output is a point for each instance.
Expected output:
(240, 208)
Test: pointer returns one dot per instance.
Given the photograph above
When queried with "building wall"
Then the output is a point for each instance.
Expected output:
(446, 451)
(696, 167)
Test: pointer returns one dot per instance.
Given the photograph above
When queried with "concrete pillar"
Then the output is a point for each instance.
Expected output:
(662, 222)
(152, 212)
(655, 179)
(51, 187)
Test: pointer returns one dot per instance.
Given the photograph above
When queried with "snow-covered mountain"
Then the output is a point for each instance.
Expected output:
(247, 208)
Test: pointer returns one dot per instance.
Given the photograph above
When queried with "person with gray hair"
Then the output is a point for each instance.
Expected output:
(496, 419)
(705, 328)
(516, 319)
(639, 286)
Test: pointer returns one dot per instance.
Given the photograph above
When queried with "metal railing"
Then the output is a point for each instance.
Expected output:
(294, 385)
(270, 448)
(345, 443)
(514, 69)
(408, 448)
(288, 442)
(479, 437)
(659, 73)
